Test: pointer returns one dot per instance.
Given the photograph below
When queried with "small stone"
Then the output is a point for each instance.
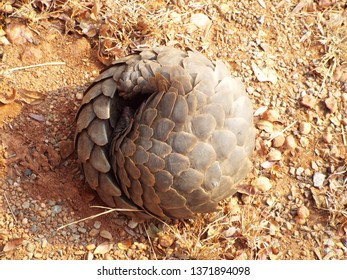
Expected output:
(93, 232)
(318, 179)
(314, 165)
(271, 115)
(304, 142)
(305, 128)
(27, 172)
(309, 101)
(166, 241)
(33, 228)
(106, 234)
(90, 247)
(290, 142)
(56, 209)
(299, 171)
(37, 255)
(262, 184)
(79, 95)
(97, 224)
(274, 155)
(42, 213)
(30, 247)
(44, 243)
(132, 224)
(278, 141)
(303, 212)
(26, 205)
(327, 137)
(24, 221)
(82, 230)
(331, 104)
(225, 8)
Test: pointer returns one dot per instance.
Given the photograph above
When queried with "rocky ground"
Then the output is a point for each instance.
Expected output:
(292, 58)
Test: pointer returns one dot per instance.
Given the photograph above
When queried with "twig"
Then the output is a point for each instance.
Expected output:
(9, 207)
(32, 66)
(343, 135)
(280, 132)
(150, 242)
(110, 210)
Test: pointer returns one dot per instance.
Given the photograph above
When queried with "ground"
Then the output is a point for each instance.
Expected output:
(291, 55)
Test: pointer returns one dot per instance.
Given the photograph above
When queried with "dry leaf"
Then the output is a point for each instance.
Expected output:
(13, 244)
(18, 33)
(37, 117)
(125, 244)
(265, 125)
(246, 189)
(103, 248)
(29, 96)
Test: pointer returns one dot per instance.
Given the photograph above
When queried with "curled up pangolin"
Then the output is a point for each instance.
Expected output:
(165, 131)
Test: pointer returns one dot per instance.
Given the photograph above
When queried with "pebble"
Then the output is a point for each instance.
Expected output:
(30, 247)
(132, 224)
(304, 142)
(318, 179)
(37, 255)
(331, 104)
(327, 138)
(56, 209)
(305, 128)
(271, 115)
(93, 232)
(79, 95)
(309, 101)
(44, 243)
(106, 234)
(97, 224)
(290, 142)
(33, 228)
(278, 141)
(262, 184)
(303, 212)
(299, 171)
(42, 213)
(166, 240)
(90, 247)
(274, 155)
(26, 205)
(82, 230)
